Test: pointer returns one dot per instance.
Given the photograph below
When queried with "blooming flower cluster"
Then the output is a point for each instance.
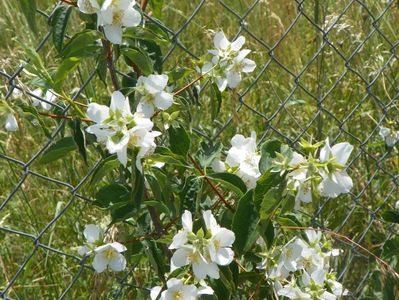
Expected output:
(151, 94)
(242, 159)
(119, 129)
(301, 269)
(228, 61)
(390, 136)
(326, 175)
(204, 251)
(105, 255)
(112, 16)
(176, 289)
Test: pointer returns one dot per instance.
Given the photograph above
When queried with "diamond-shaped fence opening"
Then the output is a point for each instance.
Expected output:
(324, 68)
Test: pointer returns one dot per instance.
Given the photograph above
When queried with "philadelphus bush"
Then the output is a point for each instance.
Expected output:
(242, 159)
(228, 62)
(301, 269)
(155, 174)
(112, 15)
(326, 175)
(119, 129)
(105, 255)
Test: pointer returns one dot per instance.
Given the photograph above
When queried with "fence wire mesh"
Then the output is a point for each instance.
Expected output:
(324, 68)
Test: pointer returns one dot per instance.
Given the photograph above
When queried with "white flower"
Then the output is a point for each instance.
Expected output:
(88, 6)
(335, 180)
(390, 136)
(177, 290)
(49, 96)
(11, 123)
(189, 255)
(92, 233)
(293, 292)
(337, 288)
(109, 255)
(114, 15)
(220, 242)
(152, 94)
(243, 155)
(180, 239)
(231, 61)
(299, 177)
(118, 129)
(291, 252)
(397, 204)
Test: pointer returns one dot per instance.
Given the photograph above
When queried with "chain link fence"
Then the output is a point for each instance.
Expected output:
(324, 68)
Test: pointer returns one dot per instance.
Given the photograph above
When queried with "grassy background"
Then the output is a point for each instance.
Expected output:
(283, 103)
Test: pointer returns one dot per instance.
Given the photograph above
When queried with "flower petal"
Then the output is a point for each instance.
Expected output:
(92, 233)
(117, 263)
(98, 113)
(99, 263)
(163, 100)
(113, 33)
(220, 41)
(131, 17)
(341, 152)
(238, 43)
(187, 220)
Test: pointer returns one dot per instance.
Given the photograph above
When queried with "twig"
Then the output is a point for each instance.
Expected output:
(144, 4)
(110, 63)
(350, 241)
(54, 116)
(198, 167)
(70, 2)
(188, 85)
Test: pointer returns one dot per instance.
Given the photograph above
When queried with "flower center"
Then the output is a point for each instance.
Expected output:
(178, 295)
(194, 257)
(109, 254)
(216, 243)
(117, 17)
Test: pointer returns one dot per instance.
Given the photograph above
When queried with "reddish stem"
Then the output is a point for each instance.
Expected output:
(214, 188)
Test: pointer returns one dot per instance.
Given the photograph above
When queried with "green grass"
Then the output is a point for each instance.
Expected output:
(36, 203)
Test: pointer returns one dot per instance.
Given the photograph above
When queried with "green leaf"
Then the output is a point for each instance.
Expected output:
(156, 8)
(245, 221)
(150, 33)
(391, 248)
(230, 181)
(179, 73)
(60, 149)
(112, 194)
(267, 181)
(289, 220)
(163, 154)
(79, 137)
(391, 216)
(83, 44)
(29, 9)
(208, 153)
(189, 193)
(102, 70)
(216, 101)
(105, 168)
(67, 66)
(269, 204)
(157, 258)
(59, 21)
(179, 140)
(122, 212)
(268, 153)
(140, 58)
